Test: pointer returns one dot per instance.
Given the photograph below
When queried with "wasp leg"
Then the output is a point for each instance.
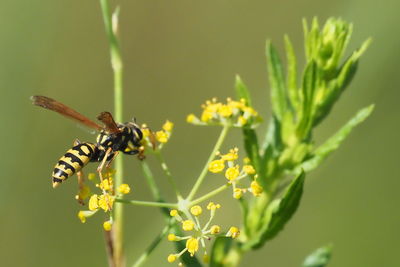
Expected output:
(81, 180)
(101, 166)
(112, 159)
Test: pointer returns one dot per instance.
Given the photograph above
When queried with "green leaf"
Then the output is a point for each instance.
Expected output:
(242, 91)
(310, 81)
(319, 258)
(224, 253)
(279, 213)
(334, 142)
(291, 73)
(276, 81)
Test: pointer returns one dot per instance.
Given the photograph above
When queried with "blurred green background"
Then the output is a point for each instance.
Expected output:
(177, 54)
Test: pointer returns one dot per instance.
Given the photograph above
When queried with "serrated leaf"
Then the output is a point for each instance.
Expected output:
(242, 91)
(224, 253)
(334, 142)
(276, 81)
(278, 213)
(319, 258)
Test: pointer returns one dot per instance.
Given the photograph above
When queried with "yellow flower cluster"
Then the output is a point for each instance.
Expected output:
(234, 174)
(150, 138)
(105, 200)
(191, 223)
(234, 113)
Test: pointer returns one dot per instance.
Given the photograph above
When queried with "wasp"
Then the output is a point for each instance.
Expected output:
(112, 139)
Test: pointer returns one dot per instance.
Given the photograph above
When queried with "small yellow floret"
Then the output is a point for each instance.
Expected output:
(249, 169)
(81, 216)
(124, 189)
(93, 203)
(237, 193)
(215, 229)
(105, 184)
(256, 189)
(232, 173)
(196, 210)
(162, 136)
(107, 225)
(232, 155)
(216, 166)
(192, 244)
(225, 111)
(191, 118)
(168, 126)
(242, 120)
(145, 131)
(187, 225)
(173, 213)
(171, 237)
(106, 202)
(213, 206)
(233, 232)
(171, 258)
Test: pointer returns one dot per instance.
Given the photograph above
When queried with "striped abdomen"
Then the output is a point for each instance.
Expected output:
(74, 160)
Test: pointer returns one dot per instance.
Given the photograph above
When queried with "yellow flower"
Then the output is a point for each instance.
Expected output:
(256, 189)
(105, 185)
(106, 202)
(233, 232)
(196, 210)
(242, 120)
(173, 213)
(215, 229)
(232, 155)
(206, 116)
(216, 166)
(237, 193)
(187, 225)
(192, 244)
(232, 173)
(249, 169)
(171, 258)
(124, 189)
(91, 176)
(168, 126)
(81, 216)
(162, 136)
(171, 237)
(191, 118)
(107, 225)
(93, 203)
(145, 131)
(225, 111)
(213, 206)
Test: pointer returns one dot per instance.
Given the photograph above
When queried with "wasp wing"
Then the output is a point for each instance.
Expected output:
(108, 120)
(54, 105)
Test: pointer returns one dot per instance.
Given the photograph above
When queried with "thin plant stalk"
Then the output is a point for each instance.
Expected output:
(111, 24)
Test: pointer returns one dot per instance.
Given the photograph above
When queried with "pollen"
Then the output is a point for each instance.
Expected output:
(215, 229)
(162, 136)
(232, 173)
(124, 189)
(196, 210)
(187, 225)
(256, 189)
(249, 169)
(192, 244)
(216, 166)
(168, 126)
(171, 258)
(107, 225)
(93, 202)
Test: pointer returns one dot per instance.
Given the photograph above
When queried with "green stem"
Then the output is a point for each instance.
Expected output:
(210, 194)
(147, 203)
(151, 182)
(152, 246)
(167, 172)
(203, 173)
(116, 64)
